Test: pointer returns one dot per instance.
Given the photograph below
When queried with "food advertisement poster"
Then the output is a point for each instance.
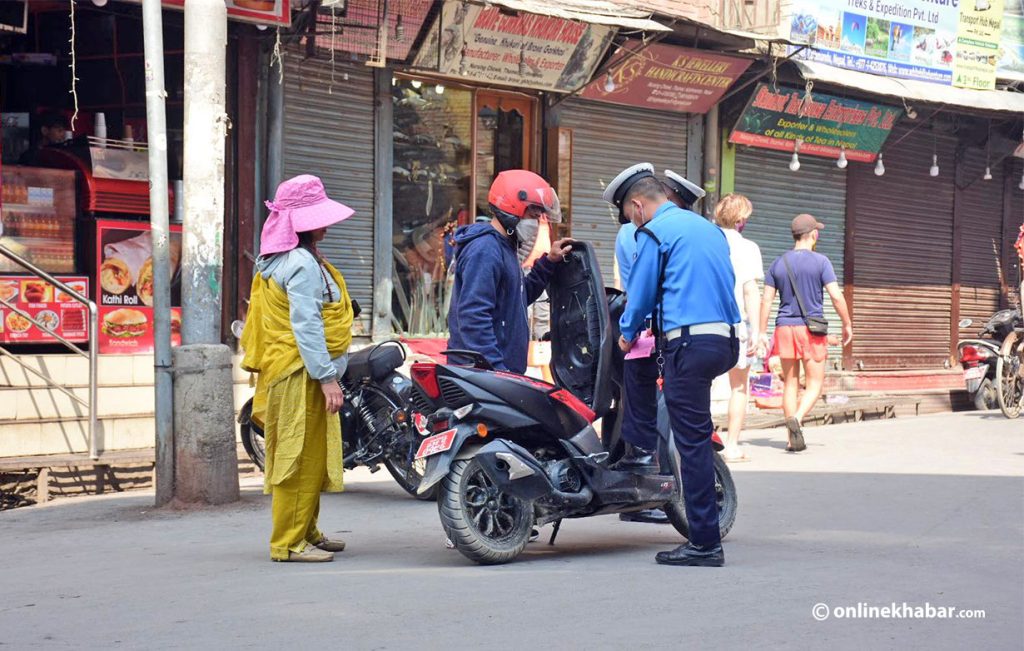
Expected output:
(908, 39)
(124, 292)
(522, 50)
(977, 44)
(776, 119)
(666, 77)
(47, 305)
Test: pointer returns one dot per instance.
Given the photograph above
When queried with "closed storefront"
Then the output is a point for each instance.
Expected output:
(778, 195)
(900, 227)
(979, 217)
(328, 131)
(605, 139)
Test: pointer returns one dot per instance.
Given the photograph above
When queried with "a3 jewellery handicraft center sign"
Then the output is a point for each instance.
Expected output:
(824, 125)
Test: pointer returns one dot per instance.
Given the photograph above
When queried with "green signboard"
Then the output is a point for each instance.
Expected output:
(824, 125)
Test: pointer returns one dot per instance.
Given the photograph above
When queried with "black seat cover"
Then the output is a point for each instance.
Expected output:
(374, 362)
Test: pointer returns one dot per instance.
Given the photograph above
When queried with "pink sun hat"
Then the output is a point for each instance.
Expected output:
(300, 205)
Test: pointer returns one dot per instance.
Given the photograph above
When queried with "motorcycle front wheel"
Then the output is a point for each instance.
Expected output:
(725, 492)
(252, 438)
(486, 525)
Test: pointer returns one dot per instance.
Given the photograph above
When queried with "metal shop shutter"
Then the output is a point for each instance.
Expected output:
(981, 234)
(902, 254)
(606, 139)
(779, 195)
(330, 134)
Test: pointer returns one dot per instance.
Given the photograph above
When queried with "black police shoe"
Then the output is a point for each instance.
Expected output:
(638, 460)
(693, 555)
(652, 516)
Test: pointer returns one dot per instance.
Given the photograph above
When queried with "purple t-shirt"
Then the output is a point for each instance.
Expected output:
(812, 272)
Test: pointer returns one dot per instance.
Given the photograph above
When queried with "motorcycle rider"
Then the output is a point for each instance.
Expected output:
(640, 374)
(683, 268)
(491, 293)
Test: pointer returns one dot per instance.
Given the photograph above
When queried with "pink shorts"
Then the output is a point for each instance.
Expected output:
(797, 342)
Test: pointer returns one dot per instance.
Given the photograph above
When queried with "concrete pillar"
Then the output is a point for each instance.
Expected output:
(206, 460)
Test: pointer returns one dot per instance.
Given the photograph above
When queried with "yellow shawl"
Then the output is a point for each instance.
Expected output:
(288, 402)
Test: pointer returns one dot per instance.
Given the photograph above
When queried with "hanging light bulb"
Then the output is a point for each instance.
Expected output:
(399, 29)
(100, 3)
(934, 169)
(394, 81)
(879, 166)
(439, 89)
(416, 84)
(988, 154)
(794, 161)
(261, 27)
(841, 163)
(609, 83)
(988, 174)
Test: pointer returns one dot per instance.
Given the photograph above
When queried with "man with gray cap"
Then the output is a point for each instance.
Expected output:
(682, 273)
(640, 373)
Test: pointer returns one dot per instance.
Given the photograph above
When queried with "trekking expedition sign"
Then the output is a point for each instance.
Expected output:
(666, 77)
(825, 125)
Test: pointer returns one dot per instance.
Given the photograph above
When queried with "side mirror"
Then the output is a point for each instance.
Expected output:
(965, 323)
(236, 328)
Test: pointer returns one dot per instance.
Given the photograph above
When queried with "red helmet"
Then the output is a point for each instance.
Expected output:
(513, 191)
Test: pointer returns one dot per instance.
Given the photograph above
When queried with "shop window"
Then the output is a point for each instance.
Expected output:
(449, 143)
(431, 194)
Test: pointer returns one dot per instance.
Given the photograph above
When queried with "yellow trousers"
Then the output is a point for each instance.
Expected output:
(295, 502)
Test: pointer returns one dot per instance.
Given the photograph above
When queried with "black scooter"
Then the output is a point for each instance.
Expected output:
(511, 452)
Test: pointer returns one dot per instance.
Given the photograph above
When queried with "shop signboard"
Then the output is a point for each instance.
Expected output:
(825, 125)
(977, 44)
(1011, 43)
(908, 39)
(525, 50)
(264, 12)
(666, 77)
(47, 305)
(124, 286)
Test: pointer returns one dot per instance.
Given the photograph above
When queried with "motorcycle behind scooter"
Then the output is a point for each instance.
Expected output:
(978, 357)
(510, 452)
(377, 424)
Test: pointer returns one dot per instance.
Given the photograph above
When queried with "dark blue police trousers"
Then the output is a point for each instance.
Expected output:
(640, 404)
(691, 364)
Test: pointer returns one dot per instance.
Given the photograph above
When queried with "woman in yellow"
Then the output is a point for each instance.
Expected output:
(296, 338)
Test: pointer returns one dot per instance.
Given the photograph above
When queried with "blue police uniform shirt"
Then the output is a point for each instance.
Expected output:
(699, 279)
(625, 252)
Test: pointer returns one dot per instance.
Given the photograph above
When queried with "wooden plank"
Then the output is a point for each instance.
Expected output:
(43, 486)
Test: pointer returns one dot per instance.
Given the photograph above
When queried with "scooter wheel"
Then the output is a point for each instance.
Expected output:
(487, 526)
(725, 490)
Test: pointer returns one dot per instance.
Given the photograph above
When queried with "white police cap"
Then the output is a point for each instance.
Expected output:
(691, 193)
(616, 191)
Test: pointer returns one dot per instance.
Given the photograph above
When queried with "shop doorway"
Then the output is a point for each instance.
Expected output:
(504, 125)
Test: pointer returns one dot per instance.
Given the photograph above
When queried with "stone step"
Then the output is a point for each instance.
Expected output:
(47, 403)
(73, 370)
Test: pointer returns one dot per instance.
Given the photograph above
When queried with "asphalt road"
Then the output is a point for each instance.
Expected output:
(927, 512)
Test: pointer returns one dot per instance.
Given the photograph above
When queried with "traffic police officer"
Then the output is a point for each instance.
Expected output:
(682, 267)
(640, 375)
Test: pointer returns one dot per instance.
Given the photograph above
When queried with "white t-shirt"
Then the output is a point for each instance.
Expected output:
(746, 263)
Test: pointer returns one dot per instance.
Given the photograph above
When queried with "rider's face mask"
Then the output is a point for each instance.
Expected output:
(526, 233)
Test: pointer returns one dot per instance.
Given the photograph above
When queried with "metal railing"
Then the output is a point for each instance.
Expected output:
(92, 403)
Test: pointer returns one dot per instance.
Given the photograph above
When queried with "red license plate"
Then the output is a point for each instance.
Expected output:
(436, 444)
(975, 373)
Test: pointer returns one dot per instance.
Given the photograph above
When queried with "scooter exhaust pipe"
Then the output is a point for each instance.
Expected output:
(514, 470)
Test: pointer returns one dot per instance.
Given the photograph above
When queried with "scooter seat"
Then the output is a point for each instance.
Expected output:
(374, 363)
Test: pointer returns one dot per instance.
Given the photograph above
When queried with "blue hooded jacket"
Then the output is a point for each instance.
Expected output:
(490, 296)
